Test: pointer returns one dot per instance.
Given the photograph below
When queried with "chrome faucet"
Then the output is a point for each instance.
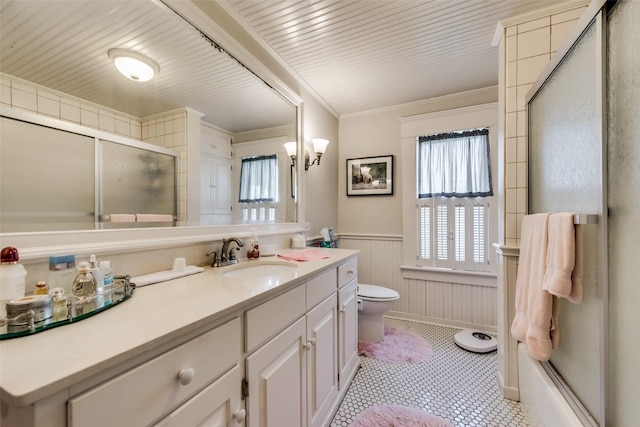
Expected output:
(226, 256)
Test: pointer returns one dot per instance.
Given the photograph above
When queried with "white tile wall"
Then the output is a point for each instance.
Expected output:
(169, 131)
(528, 47)
(17, 93)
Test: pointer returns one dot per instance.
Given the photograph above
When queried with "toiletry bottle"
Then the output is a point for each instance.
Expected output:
(107, 281)
(41, 288)
(84, 289)
(12, 278)
(253, 250)
(60, 309)
(97, 274)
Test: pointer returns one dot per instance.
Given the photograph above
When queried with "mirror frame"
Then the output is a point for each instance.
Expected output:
(38, 246)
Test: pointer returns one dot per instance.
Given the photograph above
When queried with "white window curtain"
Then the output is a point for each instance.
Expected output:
(259, 179)
(454, 164)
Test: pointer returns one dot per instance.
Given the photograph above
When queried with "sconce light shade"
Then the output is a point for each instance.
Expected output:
(291, 148)
(319, 147)
(133, 65)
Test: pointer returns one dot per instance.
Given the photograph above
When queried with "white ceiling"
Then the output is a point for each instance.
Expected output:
(63, 45)
(369, 54)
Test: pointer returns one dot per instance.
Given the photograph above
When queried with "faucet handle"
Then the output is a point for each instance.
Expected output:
(216, 258)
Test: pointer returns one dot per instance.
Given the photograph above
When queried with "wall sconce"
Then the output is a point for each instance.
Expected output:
(291, 148)
(133, 65)
(319, 147)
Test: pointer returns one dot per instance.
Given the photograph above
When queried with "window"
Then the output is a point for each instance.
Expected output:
(454, 183)
(259, 188)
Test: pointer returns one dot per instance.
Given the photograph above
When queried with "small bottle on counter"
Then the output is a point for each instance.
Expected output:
(41, 288)
(84, 289)
(12, 278)
(60, 309)
(107, 281)
(253, 248)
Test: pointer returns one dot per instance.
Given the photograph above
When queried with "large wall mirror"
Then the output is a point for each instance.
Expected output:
(203, 103)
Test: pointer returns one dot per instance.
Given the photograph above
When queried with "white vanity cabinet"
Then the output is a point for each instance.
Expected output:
(293, 378)
(276, 359)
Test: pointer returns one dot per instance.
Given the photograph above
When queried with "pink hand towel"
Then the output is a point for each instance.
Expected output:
(534, 306)
(561, 255)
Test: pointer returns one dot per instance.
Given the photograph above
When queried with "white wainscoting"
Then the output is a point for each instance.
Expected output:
(467, 303)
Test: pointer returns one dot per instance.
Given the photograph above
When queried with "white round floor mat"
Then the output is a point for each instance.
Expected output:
(476, 342)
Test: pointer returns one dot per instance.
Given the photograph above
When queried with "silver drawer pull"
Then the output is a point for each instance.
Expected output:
(186, 375)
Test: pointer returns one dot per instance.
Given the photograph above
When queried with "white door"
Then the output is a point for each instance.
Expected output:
(347, 331)
(322, 363)
(276, 374)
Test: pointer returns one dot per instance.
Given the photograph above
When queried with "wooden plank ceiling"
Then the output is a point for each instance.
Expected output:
(368, 54)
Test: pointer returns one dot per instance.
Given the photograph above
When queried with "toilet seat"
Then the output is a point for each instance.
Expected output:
(376, 293)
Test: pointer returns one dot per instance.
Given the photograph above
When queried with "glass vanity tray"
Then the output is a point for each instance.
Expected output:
(78, 309)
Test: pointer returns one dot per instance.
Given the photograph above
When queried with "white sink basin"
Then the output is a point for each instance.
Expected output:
(260, 269)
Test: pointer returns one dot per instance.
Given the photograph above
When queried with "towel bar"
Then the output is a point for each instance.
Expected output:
(585, 219)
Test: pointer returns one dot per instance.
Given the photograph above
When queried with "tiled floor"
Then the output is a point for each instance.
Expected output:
(456, 385)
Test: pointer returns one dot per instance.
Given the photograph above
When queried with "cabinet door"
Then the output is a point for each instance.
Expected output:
(218, 405)
(214, 142)
(347, 332)
(322, 363)
(215, 186)
(276, 374)
(206, 185)
(222, 187)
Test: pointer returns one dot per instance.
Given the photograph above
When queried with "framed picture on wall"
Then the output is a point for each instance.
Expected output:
(370, 176)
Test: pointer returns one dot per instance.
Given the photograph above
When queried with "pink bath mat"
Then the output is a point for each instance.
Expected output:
(397, 416)
(397, 346)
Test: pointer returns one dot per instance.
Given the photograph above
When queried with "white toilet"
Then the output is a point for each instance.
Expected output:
(373, 302)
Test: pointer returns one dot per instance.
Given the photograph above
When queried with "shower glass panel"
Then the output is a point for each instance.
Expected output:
(623, 102)
(565, 175)
(56, 190)
(137, 181)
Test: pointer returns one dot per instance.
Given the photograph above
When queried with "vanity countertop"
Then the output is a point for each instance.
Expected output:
(36, 366)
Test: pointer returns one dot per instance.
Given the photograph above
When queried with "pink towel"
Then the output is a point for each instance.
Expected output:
(533, 322)
(306, 255)
(122, 218)
(562, 253)
(154, 218)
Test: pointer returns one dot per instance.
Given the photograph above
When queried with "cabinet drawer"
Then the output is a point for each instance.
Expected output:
(320, 288)
(347, 272)
(154, 388)
(273, 316)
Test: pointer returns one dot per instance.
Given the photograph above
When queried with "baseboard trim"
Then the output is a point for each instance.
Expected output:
(442, 322)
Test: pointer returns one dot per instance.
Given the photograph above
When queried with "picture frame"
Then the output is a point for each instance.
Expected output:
(370, 176)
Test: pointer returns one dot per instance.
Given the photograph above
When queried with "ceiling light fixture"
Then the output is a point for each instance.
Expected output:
(134, 65)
